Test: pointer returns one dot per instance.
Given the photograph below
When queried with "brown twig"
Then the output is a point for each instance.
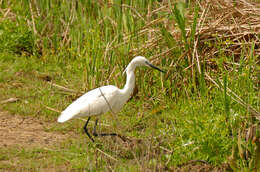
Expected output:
(52, 109)
(109, 156)
(64, 88)
(10, 100)
(32, 15)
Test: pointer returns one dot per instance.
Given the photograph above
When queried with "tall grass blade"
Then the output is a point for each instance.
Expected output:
(178, 13)
(202, 81)
(194, 25)
(226, 98)
(168, 37)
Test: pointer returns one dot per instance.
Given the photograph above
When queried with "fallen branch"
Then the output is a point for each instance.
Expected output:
(106, 154)
(64, 88)
(10, 100)
(52, 109)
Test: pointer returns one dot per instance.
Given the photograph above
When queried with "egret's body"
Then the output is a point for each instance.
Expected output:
(105, 98)
(93, 103)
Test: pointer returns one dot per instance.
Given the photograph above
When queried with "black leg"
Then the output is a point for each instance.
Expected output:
(86, 130)
(105, 134)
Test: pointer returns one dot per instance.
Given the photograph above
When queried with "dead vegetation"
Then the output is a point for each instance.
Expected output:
(234, 25)
(236, 22)
(223, 28)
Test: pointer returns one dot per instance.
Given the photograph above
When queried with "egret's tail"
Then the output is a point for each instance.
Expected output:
(65, 117)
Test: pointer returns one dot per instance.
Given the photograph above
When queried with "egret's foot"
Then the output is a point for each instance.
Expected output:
(106, 134)
(109, 134)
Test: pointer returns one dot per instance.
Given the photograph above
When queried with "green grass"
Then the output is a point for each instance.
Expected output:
(174, 118)
(198, 123)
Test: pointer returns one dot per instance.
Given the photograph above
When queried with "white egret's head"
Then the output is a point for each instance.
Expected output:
(140, 61)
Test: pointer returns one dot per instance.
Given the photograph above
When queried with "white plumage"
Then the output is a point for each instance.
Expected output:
(94, 103)
(105, 98)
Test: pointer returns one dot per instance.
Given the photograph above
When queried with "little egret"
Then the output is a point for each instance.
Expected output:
(104, 99)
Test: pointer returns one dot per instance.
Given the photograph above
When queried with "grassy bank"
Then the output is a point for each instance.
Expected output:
(203, 113)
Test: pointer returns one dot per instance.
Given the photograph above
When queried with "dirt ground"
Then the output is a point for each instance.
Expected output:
(26, 131)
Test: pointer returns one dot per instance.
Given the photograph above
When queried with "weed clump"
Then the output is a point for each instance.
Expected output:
(16, 38)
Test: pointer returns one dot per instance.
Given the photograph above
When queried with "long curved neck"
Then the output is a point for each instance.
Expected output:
(130, 81)
(130, 84)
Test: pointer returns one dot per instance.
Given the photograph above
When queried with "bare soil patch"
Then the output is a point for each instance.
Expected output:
(26, 131)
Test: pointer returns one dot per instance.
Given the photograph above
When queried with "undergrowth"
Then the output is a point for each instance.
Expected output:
(205, 109)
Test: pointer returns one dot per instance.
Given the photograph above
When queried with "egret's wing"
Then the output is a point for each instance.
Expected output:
(89, 104)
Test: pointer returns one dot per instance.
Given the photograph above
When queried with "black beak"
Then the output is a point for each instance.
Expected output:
(152, 66)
